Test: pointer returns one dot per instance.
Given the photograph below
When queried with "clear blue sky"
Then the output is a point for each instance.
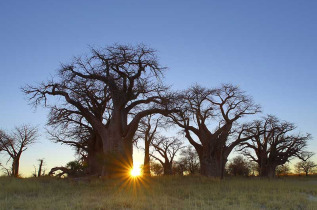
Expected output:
(269, 48)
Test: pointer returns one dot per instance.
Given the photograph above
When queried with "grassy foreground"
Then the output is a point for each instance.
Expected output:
(159, 193)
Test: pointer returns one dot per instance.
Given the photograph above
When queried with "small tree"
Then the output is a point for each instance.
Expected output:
(282, 170)
(156, 168)
(166, 149)
(239, 167)
(16, 143)
(189, 161)
(305, 166)
(148, 131)
(179, 167)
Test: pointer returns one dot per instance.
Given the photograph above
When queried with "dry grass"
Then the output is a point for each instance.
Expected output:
(159, 193)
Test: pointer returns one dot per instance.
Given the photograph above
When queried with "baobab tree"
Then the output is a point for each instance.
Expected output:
(124, 83)
(166, 149)
(69, 126)
(273, 143)
(16, 143)
(211, 115)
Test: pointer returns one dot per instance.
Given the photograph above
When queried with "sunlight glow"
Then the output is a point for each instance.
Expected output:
(136, 170)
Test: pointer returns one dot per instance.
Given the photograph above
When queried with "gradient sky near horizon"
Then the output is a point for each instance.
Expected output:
(268, 48)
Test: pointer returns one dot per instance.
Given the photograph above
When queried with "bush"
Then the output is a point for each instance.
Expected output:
(238, 167)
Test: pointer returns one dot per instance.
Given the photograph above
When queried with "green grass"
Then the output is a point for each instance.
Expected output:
(159, 193)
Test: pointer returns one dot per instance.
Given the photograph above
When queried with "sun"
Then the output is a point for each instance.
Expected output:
(136, 170)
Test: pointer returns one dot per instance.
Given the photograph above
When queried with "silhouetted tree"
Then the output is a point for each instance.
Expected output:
(211, 115)
(123, 83)
(282, 170)
(306, 166)
(166, 149)
(272, 144)
(189, 161)
(16, 143)
(148, 131)
(239, 167)
(156, 168)
(179, 167)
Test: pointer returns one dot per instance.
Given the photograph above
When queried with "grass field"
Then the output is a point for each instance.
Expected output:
(159, 193)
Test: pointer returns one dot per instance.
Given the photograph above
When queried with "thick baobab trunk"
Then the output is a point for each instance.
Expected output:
(211, 167)
(271, 172)
(15, 166)
(117, 152)
(117, 148)
(113, 149)
(95, 156)
(268, 171)
(212, 164)
(146, 165)
(128, 152)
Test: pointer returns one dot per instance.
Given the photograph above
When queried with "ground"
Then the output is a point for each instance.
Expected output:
(159, 193)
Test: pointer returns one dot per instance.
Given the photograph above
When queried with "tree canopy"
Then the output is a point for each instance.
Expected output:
(272, 143)
(110, 90)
